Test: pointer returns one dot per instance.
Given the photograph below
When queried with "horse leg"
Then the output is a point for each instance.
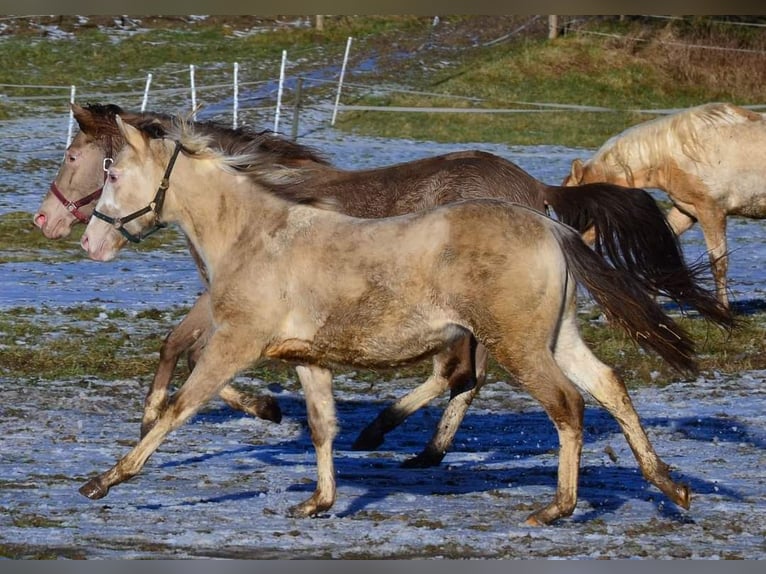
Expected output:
(374, 433)
(604, 385)
(539, 374)
(679, 221)
(320, 406)
(713, 224)
(181, 338)
(191, 334)
(464, 386)
(224, 356)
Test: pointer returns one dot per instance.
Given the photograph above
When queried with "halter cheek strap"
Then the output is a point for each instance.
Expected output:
(73, 207)
(155, 206)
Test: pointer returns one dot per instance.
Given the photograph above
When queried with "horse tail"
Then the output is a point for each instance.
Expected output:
(626, 302)
(633, 233)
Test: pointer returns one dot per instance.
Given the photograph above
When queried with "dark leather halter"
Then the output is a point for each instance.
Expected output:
(155, 206)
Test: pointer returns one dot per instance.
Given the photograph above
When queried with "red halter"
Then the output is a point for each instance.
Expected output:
(73, 206)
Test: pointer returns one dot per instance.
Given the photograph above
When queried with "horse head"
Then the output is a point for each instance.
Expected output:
(126, 208)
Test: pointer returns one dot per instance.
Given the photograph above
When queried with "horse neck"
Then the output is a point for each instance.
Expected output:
(214, 208)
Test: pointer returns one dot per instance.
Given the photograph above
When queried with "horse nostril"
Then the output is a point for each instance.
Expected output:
(40, 220)
(84, 243)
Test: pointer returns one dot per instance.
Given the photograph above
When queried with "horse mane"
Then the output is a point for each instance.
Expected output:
(272, 161)
(99, 121)
(649, 144)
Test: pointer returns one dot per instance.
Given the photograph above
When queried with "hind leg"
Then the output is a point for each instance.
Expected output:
(453, 368)
(464, 384)
(606, 387)
(539, 374)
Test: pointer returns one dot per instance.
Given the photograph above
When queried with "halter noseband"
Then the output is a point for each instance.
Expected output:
(73, 207)
(154, 207)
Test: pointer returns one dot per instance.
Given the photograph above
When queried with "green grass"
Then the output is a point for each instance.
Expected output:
(84, 341)
(621, 75)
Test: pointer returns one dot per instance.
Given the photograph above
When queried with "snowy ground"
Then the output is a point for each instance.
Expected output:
(220, 486)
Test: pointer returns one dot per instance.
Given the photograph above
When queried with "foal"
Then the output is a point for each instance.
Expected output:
(318, 288)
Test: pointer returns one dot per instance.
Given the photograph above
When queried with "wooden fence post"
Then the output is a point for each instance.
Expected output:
(553, 27)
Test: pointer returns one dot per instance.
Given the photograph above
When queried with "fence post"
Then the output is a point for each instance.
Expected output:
(340, 81)
(71, 116)
(236, 95)
(553, 27)
(297, 107)
(279, 91)
(193, 92)
(146, 92)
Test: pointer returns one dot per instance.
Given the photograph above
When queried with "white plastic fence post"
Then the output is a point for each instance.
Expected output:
(279, 91)
(146, 92)
(236, 95)
(71, 116)
(193, 92)
(340, 81)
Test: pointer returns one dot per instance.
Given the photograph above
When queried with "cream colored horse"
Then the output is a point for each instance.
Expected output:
(709, 159)
(318, 288)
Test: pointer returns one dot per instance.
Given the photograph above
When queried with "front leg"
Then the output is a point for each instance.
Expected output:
(224, 356)
(320, 406)
(196, 324)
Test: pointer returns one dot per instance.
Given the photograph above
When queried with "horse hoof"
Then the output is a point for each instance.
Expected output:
(423, 460)
(367, 440)
(684, 496)
(93, 489)
(301, 511)
(265, 407)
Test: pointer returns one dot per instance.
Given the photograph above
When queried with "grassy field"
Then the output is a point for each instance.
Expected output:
(621, 64)
(494, 62)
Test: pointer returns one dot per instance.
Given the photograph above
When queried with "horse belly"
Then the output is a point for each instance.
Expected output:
(373, 345)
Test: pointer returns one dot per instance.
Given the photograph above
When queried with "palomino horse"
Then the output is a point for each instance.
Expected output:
(709, 159)
(293, 281)
(632, 233)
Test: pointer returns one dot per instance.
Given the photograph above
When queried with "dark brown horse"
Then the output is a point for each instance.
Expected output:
(630, 230)
(292, 281)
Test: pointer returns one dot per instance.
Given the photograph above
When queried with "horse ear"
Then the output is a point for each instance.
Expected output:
(83, 116)
(577, 169)
(131, 134)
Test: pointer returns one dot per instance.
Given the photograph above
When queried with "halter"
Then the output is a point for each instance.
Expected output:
(73, 207)
(154, 206)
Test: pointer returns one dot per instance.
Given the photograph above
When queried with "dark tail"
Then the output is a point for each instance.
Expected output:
(632, 232)
(626, 302)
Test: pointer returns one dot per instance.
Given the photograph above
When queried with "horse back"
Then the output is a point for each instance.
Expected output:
(426, 183)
